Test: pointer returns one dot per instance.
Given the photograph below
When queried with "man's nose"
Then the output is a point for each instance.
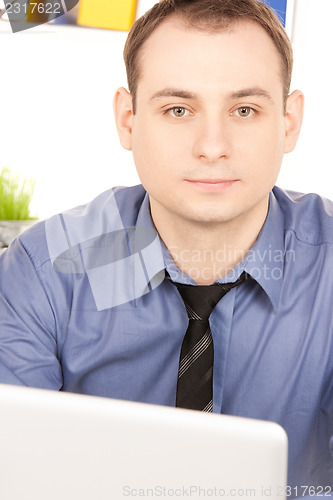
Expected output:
(212, 139)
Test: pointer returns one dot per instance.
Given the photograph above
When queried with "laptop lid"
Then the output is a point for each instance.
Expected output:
(72, 447)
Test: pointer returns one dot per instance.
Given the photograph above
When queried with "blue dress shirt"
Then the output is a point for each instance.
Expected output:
(84, 307)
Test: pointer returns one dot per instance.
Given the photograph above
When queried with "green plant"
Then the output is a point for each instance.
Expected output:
(15, 196)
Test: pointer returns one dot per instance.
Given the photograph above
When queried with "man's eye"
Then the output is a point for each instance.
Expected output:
(245, 111)
(178, 112)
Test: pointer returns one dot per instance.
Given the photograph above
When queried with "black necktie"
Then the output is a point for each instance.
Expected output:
(195, 375)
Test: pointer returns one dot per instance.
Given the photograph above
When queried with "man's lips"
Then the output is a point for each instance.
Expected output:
(212, 184)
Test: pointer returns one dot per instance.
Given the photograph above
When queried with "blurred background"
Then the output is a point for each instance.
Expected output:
(57, 87)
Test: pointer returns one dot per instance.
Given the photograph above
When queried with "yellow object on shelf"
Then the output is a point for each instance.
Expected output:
(38, 11)
(108, 14)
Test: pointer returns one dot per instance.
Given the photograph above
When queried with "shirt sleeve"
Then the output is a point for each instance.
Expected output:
(28, 344)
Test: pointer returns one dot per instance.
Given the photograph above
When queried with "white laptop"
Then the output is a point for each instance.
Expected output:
(61, 446)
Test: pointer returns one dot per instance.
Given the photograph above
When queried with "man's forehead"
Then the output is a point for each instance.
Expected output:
(179, 23)
(164, 59)
(165, 37)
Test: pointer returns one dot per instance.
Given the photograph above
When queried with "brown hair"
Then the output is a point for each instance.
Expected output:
(208, 15)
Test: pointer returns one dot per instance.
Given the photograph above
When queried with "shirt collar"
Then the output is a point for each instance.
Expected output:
(264, 262)
(151, 257)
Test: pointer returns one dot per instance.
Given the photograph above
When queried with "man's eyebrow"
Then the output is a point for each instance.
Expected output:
(171, 92)
(237, 94)
(251, 92)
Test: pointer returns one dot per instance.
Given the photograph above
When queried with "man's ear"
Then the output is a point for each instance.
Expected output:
(293, 119)
(123, 112)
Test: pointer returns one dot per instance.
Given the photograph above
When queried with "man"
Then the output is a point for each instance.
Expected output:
(91, 300)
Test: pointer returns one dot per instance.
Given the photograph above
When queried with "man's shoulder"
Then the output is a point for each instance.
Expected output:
(110, 211)
(308, 216)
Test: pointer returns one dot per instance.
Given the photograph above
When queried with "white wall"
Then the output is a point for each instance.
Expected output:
(310, 167)
(56, 117)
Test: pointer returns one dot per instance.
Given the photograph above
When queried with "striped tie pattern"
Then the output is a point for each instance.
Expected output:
(195, 374)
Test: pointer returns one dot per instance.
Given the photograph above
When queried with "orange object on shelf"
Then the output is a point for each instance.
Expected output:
(107, 14)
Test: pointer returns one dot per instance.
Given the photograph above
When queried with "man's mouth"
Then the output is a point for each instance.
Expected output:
(212, 184)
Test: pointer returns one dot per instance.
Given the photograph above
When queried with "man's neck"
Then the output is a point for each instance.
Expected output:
(208, 251)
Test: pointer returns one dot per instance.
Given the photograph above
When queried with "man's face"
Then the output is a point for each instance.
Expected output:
(208, 135)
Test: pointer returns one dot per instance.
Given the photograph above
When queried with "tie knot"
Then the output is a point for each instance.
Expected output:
(200, 300)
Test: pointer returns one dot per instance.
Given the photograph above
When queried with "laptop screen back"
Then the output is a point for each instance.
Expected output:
(71, 447)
